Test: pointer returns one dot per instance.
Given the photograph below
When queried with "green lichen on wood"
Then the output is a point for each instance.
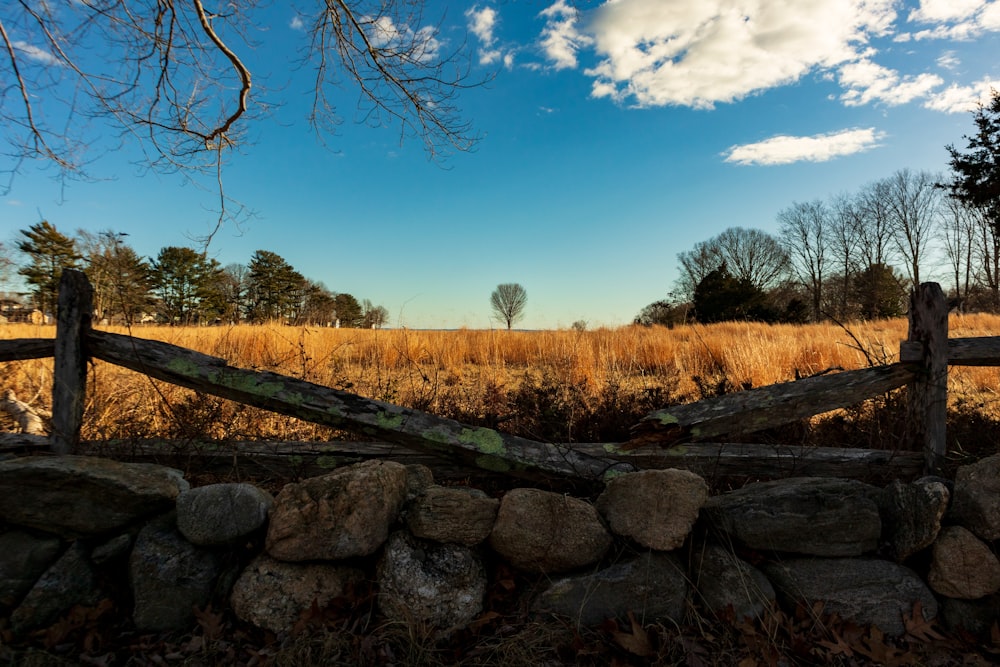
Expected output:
(613, 448)
(486, 440)
(249, 384)
(666, 419)
(492, 463)
(183, 367)
(327, 461)
(611, 473)
(387, 421)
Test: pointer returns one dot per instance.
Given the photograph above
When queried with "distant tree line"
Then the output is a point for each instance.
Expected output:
(180, 286)
(855, 256)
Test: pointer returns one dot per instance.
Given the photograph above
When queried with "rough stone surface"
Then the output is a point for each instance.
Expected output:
(430, 584)
(70, 581)
(976, 501)
(652, 586)
(725, 582)
(344, 514)
(221, 513)
(542, 531)
(273, 594)
(962, 566)
(807, 515)
(23, 559)
(861, 590)
(169, 577)
(911, 516)
(452, 514)
(84, 495)
(116, 547)
(418, 478)
(656, 508)
(973, 616)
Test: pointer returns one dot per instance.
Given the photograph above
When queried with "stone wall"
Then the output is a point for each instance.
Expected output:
(79, 530)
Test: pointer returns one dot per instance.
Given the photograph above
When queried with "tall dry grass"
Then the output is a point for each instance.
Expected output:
(563, 385)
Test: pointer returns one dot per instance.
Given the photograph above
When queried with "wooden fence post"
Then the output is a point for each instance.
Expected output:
(927, 395)
(70, 367)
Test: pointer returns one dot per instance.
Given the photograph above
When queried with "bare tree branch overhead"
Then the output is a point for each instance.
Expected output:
(174, 78)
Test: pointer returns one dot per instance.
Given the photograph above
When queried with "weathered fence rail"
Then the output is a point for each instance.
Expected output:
(664, 438)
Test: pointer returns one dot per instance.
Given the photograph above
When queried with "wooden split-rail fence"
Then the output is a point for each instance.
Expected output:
(682, 436)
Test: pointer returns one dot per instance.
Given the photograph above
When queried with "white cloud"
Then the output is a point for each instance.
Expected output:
(819, 148)
(560, 38)
(940, 11)
(955, 19)
(482, 23)
(868, 82)
(421, 45)
(655, 53)
(297, 23)
(37, 54)
(948, 60)
(963, 99)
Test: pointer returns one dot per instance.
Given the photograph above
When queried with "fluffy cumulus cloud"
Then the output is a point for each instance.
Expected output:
(561, 38)
(963, 99)
(818, 148)
(650, 53)
(953, 19)
(868, 82)
(655, 53)
(481, 24)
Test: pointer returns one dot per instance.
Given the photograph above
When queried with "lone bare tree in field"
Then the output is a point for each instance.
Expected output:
(508, 301)
(174, 79)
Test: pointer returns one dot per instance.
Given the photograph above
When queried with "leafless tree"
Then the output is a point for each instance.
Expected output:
(958, 236)
(987, 252)
(6, 265)
(845, 226)
(508, 301)
(173, 78)
(874, 225)
(913, 201)
(753, 255)
(749, 254)
(695, 264)
(805, 232)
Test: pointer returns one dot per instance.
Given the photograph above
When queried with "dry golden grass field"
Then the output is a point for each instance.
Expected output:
(561, 386)
(564, 386)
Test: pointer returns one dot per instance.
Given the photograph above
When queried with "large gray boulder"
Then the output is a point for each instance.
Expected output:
(976, 501)
(23, 559)
(962, 566)
(84, 495)
(726, 584)
(452, 514)
(169, 577)
(429, 584)
(274, 594)
(911, 515)
(344, 514)
(652, 586)
(70, 581)
(542, 531)
(656, 508)
(860, 590)
(807, 515)
(221, 513)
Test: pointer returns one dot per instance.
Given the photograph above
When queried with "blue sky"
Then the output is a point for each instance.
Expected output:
(614, 135)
